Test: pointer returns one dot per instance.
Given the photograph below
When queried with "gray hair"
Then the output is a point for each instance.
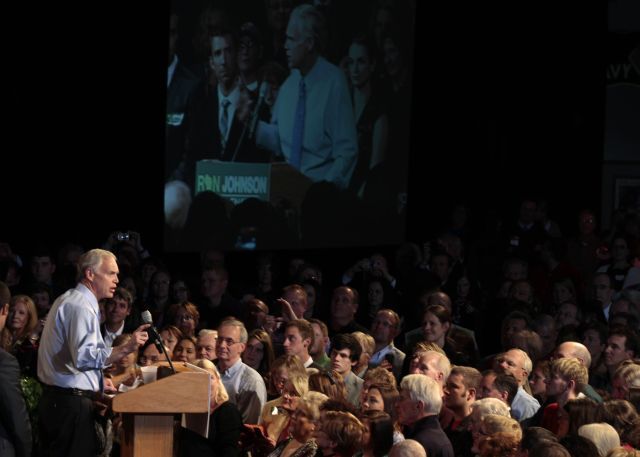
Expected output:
(244, 336)
(423, 388)
(491, 405)
(604, 436)
(408, 448)
(92, 259)
(311, 24)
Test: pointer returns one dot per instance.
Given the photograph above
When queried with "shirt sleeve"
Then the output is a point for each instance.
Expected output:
(86, 346)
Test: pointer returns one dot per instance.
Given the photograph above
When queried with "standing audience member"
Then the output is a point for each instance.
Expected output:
(15, 429)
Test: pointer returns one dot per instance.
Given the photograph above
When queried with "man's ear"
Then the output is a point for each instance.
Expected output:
(4, 309)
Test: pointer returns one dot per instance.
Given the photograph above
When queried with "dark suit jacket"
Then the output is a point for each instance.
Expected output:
(427, 431)
(15, 428)
(183, 92)
(205, 141)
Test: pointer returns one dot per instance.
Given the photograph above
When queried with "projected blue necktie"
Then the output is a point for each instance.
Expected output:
(298, 128)
(224, 120)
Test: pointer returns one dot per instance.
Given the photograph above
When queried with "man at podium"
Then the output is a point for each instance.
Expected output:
(72, 355)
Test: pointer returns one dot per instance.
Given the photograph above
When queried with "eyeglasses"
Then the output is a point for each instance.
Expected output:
(227, 341)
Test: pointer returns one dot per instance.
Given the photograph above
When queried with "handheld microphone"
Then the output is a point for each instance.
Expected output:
(155, 336)
(253, 123)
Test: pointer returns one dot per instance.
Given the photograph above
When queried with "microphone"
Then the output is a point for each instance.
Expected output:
(155, 337)
(253, 123)
(250, 126)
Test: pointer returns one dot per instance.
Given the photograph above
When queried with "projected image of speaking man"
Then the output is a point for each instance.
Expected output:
(313, 126)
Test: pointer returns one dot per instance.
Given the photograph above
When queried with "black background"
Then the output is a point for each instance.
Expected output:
(508, 102)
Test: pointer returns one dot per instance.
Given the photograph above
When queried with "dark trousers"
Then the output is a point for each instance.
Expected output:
(66, 425)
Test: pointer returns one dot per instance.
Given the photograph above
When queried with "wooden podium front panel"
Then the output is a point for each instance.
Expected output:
(147, 436)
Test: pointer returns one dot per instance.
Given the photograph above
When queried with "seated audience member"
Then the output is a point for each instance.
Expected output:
(532, 437)
(225, 423)
(320, 344)
(501, 443)
(344, 306)
(407, 448)
(505, 429)
(185, 350)
(378, 434)
(21, 334)
(380, 393)
(244, 385)
(185, 316)
(340, 434)
(304, 423)
(623, 416)
(434, 364)
(329, 383)
(170, 335)
(368, 345)
(604, 436)
(345, 353)
(206, 344)
(501, 386)
(298, 339)
(575, 414)
(553, 449)
(124, 371)
(484, 407)
(259, 352)
(150, 355)
(626, 377)
(384, 329)
(517, 363)
(538, 381)
(276, 414)
(565, 383)
(573, 349)
(579, 446)
(459, 394)
(622, 344)
(417, 408)
(117, 309)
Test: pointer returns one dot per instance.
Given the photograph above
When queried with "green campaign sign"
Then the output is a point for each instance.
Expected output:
(236, 181)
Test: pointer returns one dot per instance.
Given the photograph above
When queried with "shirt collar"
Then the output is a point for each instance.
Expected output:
(232, 97)
(233, 369)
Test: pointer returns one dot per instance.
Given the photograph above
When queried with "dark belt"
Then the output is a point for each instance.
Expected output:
(70, 391)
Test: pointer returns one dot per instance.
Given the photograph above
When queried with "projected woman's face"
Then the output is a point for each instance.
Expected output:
(360, 66)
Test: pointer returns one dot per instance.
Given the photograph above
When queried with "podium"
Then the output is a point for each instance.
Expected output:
(148, 411)
(238, 181)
